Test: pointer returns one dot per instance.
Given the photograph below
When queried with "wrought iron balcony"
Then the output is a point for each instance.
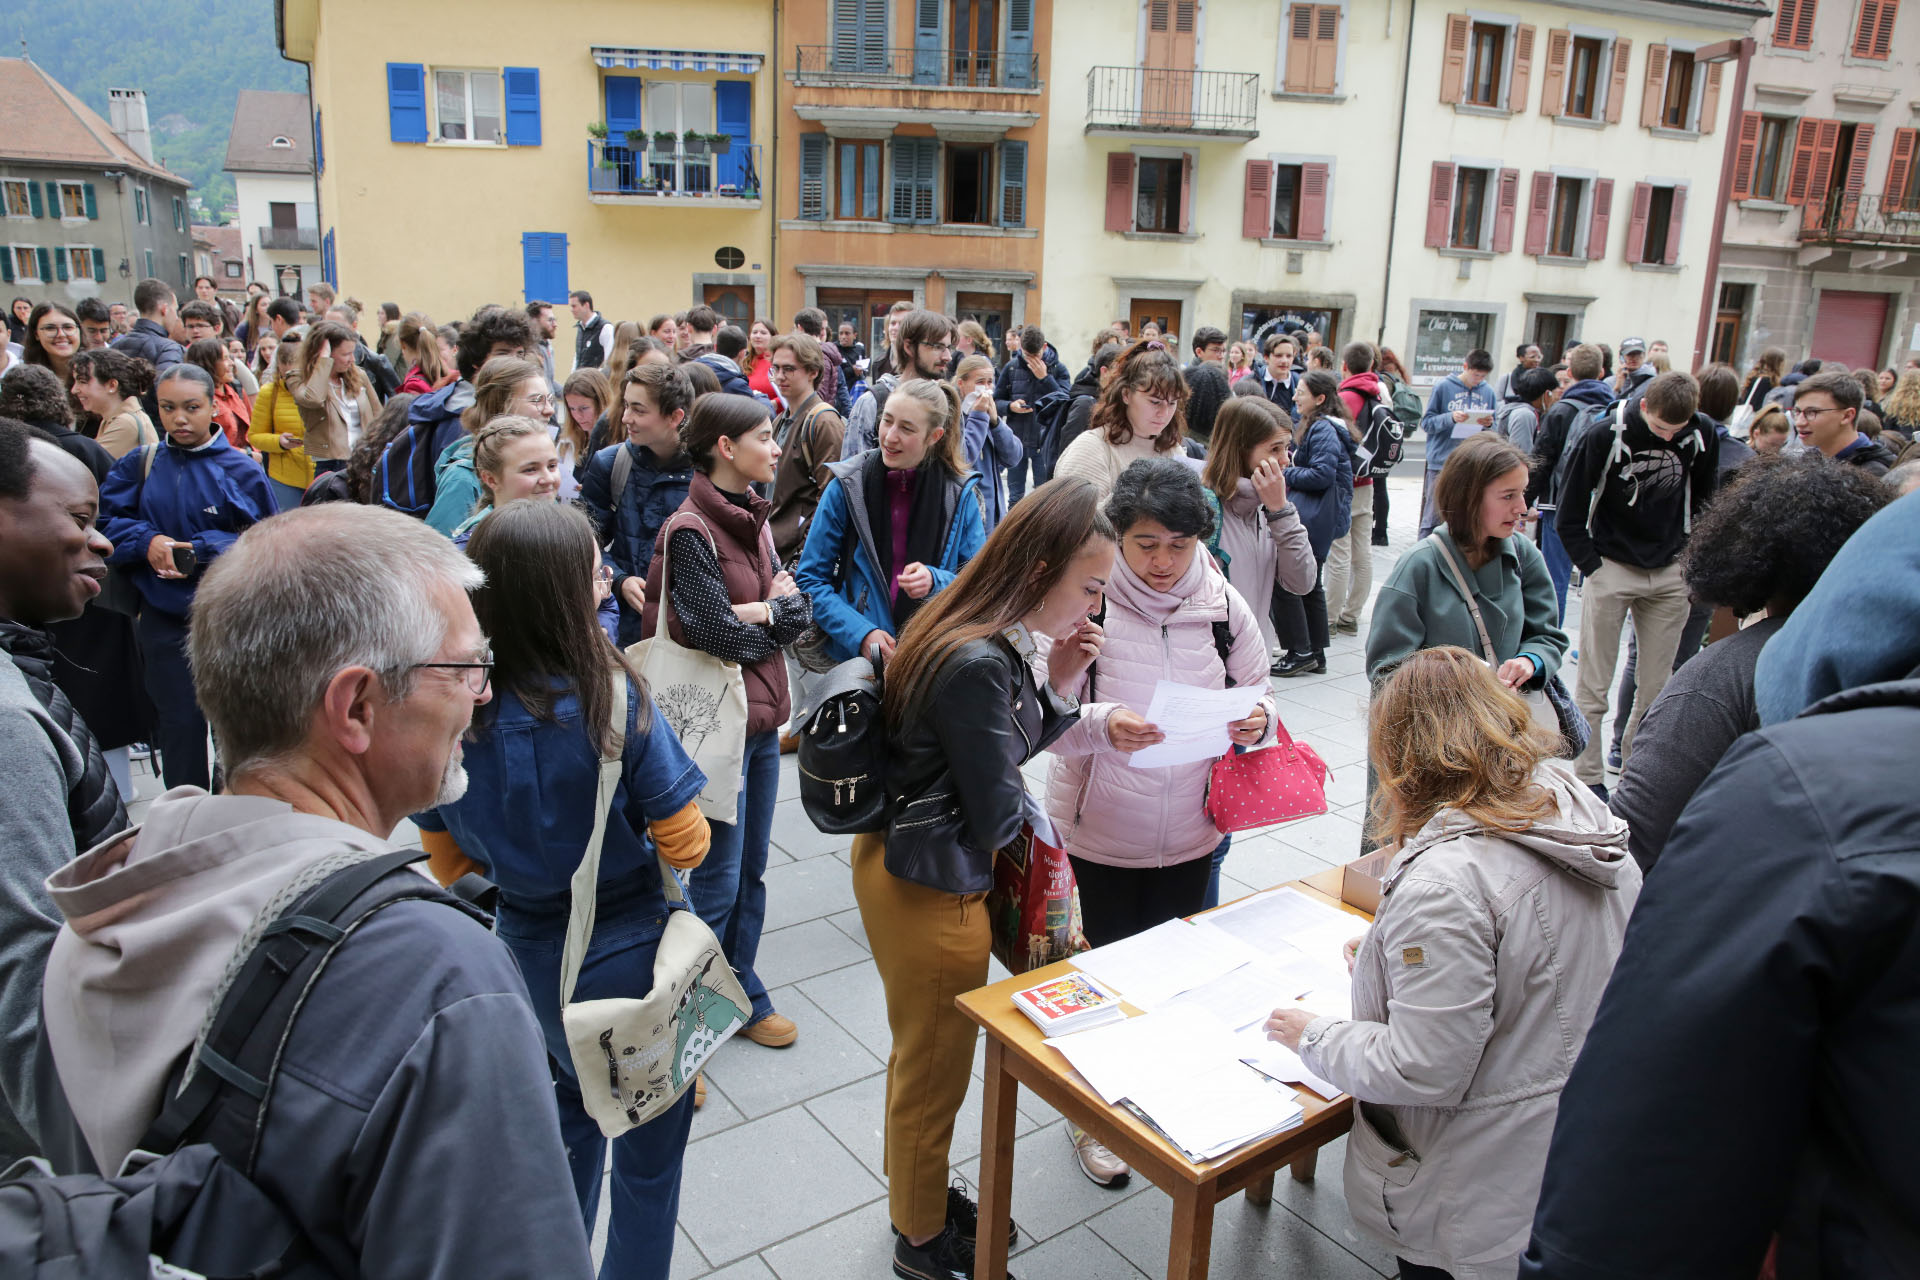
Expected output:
(1162, 100)
(290, 239)
(689, 169)
(1844, 218)
(848, 64)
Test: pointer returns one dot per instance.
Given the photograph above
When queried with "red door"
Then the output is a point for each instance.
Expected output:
(1851, 327)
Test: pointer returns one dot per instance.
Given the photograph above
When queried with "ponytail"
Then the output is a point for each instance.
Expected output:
(943, 414)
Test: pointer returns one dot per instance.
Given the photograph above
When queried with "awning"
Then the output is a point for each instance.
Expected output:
(620, 59)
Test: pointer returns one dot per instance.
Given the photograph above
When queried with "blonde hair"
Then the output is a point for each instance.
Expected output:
(493, 389)
(943, 413)
(621, 357)
(970, 365)
(1903, 402)
(982, 344)
(1444, 733)
(490, 445)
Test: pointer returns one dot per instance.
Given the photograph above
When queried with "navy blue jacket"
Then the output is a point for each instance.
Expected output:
(207, 496)
(1320, 482)
(1750, 1069)
(1016, 382)
(654, 491)
(150, 342)
(732, 381)
(439, 411)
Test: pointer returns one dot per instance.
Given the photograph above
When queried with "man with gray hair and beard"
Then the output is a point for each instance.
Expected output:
(411, 1129)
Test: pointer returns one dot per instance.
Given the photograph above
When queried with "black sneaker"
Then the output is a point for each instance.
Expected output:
(1300, 664)
(947, 1256)
(963, 1216)
(1600, 789)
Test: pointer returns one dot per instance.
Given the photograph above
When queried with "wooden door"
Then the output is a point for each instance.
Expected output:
(1161, 311)
(975, 25)
(1166, 74)
(734, 302)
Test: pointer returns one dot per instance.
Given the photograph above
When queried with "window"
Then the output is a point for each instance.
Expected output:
(1286, 201)
(233, 270)
(858, 186)
(1486, 64)
(466, 106)
(1564, 231)
(1903, 172)
(140, 208)
(282, 141)
(1873, 37)
(1676, 111)
(1653, 235)
(73, 201)
(19, 201)
(186, 272)
(179, 214)
(148, 256)
(860, 37)
(1312, 49)
(1768, 168)
(1653, 241)
(679, 108)
(79, 262)
(969, 189)
(25, 264)
(1793, 24)
(1158, 195)
(1442, 339)
(1583, 78)
(916, 165)
(1469, 209)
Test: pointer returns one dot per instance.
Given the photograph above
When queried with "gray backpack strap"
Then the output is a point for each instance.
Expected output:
(1619, 436)
(622, 472)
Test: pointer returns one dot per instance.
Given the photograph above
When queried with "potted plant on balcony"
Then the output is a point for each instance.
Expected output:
(720, 143)
(693, 143)
(665, 141)
(597, 130)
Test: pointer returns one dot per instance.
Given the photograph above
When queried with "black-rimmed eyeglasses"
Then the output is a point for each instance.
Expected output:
(477, 675)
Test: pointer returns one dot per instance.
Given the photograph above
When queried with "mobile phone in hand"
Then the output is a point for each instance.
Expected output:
(183, 561)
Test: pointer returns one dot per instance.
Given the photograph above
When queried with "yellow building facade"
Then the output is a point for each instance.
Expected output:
(472, 153)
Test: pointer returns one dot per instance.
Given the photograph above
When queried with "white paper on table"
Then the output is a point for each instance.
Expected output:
(1195, 721)
(1285, 923)
(1245, 997)
(1218, 1109)
(1272, 1058)
(1149, 1050)
(1153, 967)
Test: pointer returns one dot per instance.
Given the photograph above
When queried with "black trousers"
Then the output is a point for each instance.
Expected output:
(1380, 511)
(1414, 1271)
(181, 731)
(1301, 621)
(1118, 902)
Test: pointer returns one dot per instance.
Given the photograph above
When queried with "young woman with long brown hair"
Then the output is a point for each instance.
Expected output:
(1320, 478)
(1140, 414)
(963, 714)
(335, 398)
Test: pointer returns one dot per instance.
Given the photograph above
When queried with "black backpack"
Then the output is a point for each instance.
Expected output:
(404, 478)
(1382, 435)
(195, 1206)
(843, 753)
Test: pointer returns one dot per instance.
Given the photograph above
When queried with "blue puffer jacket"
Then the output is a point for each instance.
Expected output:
(208, 496)
(1320, 482)
(840, 566)
(654, 491)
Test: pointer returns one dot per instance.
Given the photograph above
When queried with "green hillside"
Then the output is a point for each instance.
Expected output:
(191, 56)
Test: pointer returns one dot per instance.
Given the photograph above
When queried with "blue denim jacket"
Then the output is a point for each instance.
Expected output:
(531, 794)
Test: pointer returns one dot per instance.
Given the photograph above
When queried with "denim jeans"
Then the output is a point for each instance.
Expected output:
(646, 1161)
(1035, 455)
(1213, 877)
(729, 889)
(1559, 567)
(285, 496)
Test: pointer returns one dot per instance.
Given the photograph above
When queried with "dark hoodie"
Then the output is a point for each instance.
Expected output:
(1649, 489)
(1085, 391)
(1869, 455)
(1551, 438)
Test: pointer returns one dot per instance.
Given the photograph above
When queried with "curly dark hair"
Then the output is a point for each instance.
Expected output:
(32, 393)
(1164, 490)
(491, 325)
(1772, 531)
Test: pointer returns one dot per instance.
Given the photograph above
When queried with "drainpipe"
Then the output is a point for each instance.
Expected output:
(1725, 51)
(1399, 153)
(770, 188)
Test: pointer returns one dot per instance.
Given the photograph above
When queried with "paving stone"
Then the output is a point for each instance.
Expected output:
(1322, 1204)
(1248, 1243)
(856, 1115)
(766, 1180)
(802, 891)
(857, 1244)
(1264, 861)
(758, 1080)
(800, 951)
(751, 1268)
(719, 1113)
(854, 999)
(1075, 1255)
(795, 833)
(1050, 1194)
(1332, 837)
(849, 923)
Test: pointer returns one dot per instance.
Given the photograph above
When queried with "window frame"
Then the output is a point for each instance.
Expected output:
(142, 209)
(1489, 198)
(1280, 89)
(1178, 160)
(79, 192)
(989, 184)
(1689, 106)
(147, 261)
(1782, 159)
(1657, 218)
(435, 136)
(1503, 62)
(1299, 181)
(84, 252)
(7, 186)
(32, 252)
(1577, 221)
(863, 147)
(1602, 46)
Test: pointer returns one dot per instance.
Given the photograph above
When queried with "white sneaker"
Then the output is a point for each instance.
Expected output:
(1099, 1164)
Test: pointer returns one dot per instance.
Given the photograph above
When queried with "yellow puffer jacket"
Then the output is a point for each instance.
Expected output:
(274, 414)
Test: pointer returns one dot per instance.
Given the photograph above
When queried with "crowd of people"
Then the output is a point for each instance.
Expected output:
(327, 584)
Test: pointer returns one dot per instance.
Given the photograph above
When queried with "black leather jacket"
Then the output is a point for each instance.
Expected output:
(954, 773)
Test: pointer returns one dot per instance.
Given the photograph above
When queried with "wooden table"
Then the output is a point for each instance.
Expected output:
(1017, 1054)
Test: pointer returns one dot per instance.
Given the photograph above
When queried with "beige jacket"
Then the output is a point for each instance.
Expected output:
(1090, 457)
(1472, 995)
(327, 432)
(126, 431)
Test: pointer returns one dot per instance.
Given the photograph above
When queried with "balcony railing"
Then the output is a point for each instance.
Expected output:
(1861, 219)
(290, 239)
(688, 170)
(1164, 100)
(826, 64)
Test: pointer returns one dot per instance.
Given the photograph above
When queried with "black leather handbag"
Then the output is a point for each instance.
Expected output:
(843, 753)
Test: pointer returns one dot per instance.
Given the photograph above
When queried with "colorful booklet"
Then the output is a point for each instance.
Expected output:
(1072, 1002)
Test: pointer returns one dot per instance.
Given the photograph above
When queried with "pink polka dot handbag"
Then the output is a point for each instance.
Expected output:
(1279, 783)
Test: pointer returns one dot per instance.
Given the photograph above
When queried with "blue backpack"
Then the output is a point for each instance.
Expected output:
(404, 477)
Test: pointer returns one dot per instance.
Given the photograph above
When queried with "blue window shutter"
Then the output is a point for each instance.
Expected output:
(99, 266)
(1013, 184)
(6, 266)
(407, 101)
(523, 105)
(33, 200)
(813, 175)
(733, 116)
(329, 265)
(533, 264)
(59, 264)
(905, 152)
(926, 41)
(93, 208)
(1019, 55)
(319, 147)
(926, 167)
(622, 94)
(557, 283)
(46, 263)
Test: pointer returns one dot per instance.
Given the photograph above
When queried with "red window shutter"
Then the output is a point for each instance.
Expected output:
(1655, 92)
(1186, 186)
(1783, 23)
(1873, 38)
(1617, 82)
(1553, 85)
(1675, 221)
(1439, 205)
(1800, 176)
(1821, 179)
(1900, 167)
(1637, 220)
(1746, 151)
(1803, 24)
(1539, 210)
(1120, 191)
(1710, 97)
(1256, 207)
(1299, 49)
(1326, 48)
(1313, 202)
(1857, 162)
(1522, 82)
(1453, 63)
(1602, 219)
(1506, 210)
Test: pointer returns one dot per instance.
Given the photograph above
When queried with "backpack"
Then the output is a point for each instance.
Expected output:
(1618, 451)
(1050, 416)
(843, 752)
(1406, 406)
(1382, 435)
(195, 1208)
(1583, 422)
(1222, 645)
(404, 477)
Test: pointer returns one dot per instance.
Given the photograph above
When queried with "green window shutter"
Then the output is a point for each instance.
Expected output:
(60, 264)
(6, 265)
(99, 266)
(93, 209)
(53, 201)
(46, 262)
(1013, 184)
(33, 202)
(813, 175)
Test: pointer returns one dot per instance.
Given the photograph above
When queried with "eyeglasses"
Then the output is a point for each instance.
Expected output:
(785, 368)
(476, 675)
(945, 348)
(541, 402)
(53, 330)
(603, 574)
(1801, 415)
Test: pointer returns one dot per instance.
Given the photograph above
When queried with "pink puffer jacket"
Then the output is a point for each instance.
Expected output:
(1108, 811)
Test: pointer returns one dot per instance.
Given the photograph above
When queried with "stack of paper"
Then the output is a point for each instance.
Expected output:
(1213, 1113)
(1071, 1002)
(1152, 968)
